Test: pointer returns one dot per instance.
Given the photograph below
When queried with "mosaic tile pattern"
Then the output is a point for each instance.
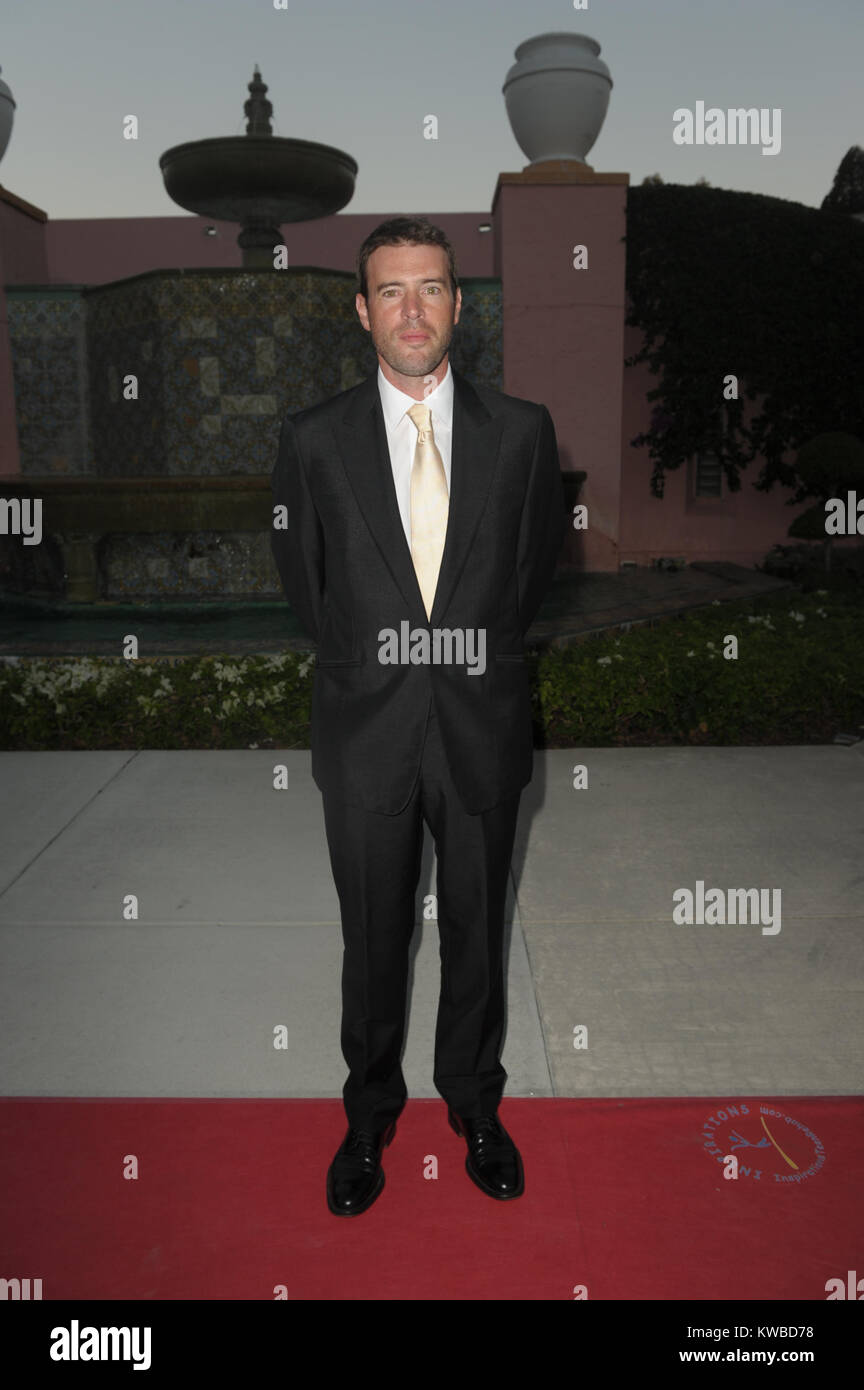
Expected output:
(48, 335)
(31, 569)
(219, 358)
(194, 565)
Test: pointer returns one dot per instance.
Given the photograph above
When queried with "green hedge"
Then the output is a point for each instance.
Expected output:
(799, 678)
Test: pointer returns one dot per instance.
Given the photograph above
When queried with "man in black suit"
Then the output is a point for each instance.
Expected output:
(417, 525)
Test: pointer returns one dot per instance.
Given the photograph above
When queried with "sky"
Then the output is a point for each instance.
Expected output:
(362, 77)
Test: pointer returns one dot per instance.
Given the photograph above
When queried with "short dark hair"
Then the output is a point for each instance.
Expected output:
(396, 231)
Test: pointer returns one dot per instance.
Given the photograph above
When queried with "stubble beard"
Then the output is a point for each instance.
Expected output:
(410, 361)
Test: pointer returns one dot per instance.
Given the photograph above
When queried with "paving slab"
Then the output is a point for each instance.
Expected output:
(42, 795)
(238, 932)
(148, 1010)
(201, 837)
(656, 819)
(692, 1011)
(238, 926)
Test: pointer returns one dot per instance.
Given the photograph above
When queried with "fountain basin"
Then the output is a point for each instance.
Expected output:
(235, 178)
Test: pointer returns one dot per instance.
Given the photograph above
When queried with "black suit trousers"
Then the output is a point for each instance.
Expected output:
(376, 860)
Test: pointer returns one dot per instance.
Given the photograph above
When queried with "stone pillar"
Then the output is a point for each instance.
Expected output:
(563, 328)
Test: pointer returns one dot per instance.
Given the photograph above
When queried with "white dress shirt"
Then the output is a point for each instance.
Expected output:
(402, 435)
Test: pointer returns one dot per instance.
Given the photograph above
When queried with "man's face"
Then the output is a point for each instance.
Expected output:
(410, 311)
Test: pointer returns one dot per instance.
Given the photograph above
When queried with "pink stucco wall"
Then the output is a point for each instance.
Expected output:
(563, 335)
(93, 252)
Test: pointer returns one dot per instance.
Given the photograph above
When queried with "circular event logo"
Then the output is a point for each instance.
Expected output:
(769, 1145)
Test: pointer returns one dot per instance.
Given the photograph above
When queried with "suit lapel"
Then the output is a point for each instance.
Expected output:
(362, 439)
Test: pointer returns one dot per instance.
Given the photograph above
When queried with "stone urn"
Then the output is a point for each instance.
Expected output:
(557, 94)
(7, 116)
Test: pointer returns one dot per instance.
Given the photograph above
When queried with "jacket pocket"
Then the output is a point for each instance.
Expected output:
(346, 661)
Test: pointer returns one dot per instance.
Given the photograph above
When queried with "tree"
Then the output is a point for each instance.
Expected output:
(847, 191)
(829, 465)
(726, 284)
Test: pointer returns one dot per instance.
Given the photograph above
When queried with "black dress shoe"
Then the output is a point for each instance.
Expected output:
(493, 1161)
(355, 1177)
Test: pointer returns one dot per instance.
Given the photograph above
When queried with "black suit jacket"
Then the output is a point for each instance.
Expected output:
(347, 573)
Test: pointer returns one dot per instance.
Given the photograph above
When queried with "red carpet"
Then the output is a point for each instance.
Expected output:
(622, 1196)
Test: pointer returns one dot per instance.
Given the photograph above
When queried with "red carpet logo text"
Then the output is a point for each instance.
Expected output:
(766, 1144)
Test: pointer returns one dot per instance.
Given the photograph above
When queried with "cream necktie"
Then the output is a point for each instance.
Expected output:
(430, 506)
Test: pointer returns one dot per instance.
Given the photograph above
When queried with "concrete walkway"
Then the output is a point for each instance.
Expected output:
(237, 933)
